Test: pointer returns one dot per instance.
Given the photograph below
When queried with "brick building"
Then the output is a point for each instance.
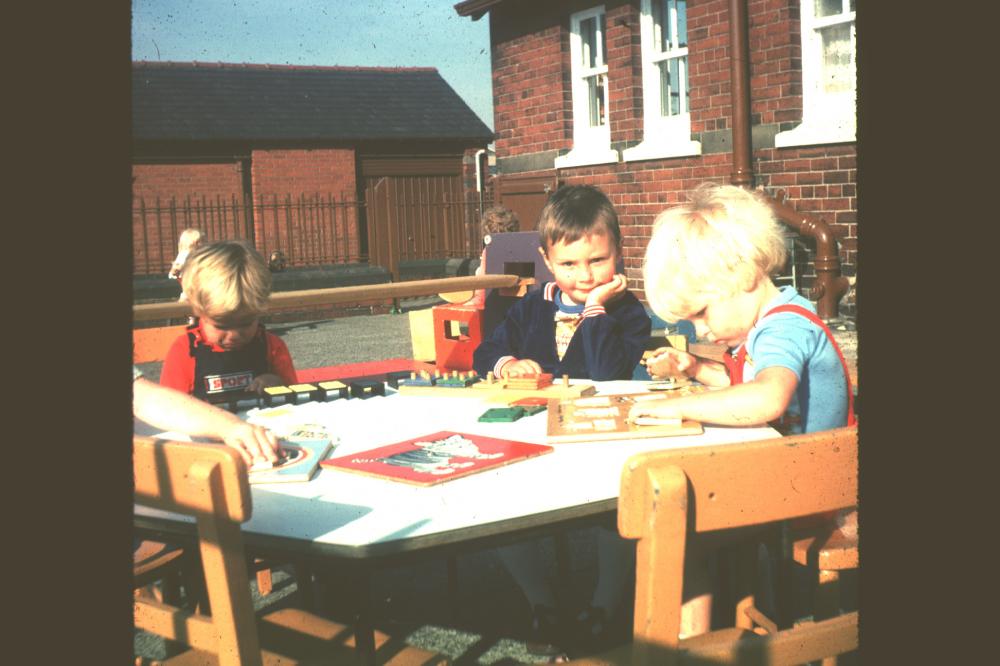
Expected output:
(634, 96)
(330, 165)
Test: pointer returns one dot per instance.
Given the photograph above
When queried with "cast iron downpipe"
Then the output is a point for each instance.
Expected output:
(829, 286)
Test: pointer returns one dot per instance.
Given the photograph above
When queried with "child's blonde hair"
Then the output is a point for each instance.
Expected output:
(498, 220)
(723, 241)
(189, 240)
(575, 211)
(226, 278)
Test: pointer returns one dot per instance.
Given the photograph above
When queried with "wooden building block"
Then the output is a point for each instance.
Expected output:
(277, 395)
(422, 334)
(364, 388)
(458, 330)
(333, 388)
(501, 414)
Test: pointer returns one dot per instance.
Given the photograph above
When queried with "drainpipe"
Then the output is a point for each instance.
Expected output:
(479, 178)
(739, 74)
(830, 286)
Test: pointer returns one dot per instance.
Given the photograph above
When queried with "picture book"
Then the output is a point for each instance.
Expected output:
(605, 417)
(437, 457)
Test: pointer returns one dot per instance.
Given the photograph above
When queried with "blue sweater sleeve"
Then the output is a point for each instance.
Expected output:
(506, 340)
(613, 343)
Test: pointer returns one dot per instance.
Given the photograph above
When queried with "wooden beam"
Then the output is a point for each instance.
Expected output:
(334, 295)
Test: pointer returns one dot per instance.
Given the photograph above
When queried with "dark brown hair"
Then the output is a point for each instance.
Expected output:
(575, 211)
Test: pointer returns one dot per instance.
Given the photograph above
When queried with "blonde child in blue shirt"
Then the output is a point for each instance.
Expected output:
(710, 262)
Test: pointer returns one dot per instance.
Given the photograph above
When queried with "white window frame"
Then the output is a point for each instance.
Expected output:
(826, 118)
(591, 144)
(662, 136)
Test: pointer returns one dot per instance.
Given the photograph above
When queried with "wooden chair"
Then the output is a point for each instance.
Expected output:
(671, 498)
(152, 344)
(210, 482)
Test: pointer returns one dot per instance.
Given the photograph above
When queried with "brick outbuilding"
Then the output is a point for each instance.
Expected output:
(291, 158)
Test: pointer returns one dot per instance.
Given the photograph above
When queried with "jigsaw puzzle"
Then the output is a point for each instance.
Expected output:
(604, 417)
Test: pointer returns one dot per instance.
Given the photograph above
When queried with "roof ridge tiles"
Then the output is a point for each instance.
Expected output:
(268, 66)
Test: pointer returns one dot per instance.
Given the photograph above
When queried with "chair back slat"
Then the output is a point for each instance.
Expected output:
(751, 483)
(162, 478)
(152, 344)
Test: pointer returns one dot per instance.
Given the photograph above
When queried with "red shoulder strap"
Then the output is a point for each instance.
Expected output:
(799, 310)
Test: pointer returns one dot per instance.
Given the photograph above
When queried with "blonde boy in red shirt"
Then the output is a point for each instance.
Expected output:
(226, 348)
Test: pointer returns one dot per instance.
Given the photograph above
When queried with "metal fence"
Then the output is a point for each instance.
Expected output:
(311, 230)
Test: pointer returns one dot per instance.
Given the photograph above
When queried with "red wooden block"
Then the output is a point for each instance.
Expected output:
(458, 330)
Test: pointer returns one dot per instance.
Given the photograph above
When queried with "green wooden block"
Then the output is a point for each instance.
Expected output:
(502, 414)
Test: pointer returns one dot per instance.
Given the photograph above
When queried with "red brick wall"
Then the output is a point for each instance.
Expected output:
(156, 224)
(307, 234)
(533, 113)
(532, 104)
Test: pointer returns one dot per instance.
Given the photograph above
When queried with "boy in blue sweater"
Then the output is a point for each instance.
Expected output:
(586, 324)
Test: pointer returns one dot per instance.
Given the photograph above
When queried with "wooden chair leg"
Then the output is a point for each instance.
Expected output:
(827, 602)
(265, 584)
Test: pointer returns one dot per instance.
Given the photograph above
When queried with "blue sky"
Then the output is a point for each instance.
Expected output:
(378, 33)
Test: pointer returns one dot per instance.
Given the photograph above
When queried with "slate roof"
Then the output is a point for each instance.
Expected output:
(221, 101)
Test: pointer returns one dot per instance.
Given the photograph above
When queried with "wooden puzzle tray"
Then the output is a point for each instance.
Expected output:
(604, 417)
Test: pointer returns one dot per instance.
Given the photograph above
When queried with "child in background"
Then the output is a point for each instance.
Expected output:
(188, 242)
(496, 220)
(586, 325)
(227, 348)
(710, 262)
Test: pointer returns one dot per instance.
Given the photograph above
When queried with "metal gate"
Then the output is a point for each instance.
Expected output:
(416, 208)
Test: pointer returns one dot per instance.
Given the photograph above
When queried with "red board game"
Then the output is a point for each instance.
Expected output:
(437, 457)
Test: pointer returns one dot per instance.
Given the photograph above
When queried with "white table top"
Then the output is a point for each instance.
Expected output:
(355, 515)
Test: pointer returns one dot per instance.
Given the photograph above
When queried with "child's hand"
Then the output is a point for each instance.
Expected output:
(261, 382)
(519, 368)
(670, 362)
(608, 291)
(253, 442)
(651, 411)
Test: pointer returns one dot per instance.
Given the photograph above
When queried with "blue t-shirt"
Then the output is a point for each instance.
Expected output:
(789, 340)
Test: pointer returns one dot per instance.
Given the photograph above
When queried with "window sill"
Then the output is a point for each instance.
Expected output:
(576, 157)
(654, 150)
(814, 134)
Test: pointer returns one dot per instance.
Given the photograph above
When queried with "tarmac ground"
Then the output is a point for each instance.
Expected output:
(488, 622)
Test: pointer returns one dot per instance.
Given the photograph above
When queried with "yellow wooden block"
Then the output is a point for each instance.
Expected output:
(333, 384)
(298, 388)
(277, 390)
(422, 334)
